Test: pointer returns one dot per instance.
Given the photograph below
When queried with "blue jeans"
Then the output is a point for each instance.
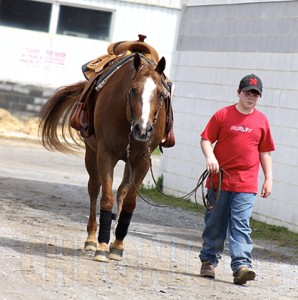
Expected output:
(229, 217)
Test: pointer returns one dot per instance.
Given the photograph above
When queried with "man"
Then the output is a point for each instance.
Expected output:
(243, 142)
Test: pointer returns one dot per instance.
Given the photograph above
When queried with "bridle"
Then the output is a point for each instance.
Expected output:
(162, 96)
(129, 109)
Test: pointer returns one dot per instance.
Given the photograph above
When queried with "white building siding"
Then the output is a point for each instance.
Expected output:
(207, 68)
(50, 60)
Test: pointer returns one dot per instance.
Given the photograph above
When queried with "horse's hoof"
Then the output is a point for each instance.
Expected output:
(101, 255)
(90, 247)
(115, 254)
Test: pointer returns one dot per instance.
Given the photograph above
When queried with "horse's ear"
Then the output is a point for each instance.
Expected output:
(161, 66)
(137, 61)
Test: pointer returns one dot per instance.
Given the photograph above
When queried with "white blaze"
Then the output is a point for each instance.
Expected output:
(149, 87)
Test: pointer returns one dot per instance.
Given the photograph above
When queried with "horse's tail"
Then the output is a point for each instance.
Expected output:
(54, 126)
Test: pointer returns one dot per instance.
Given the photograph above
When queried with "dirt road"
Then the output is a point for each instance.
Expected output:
(44, 209)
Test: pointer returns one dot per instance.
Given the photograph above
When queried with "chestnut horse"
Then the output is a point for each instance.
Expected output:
(129, 123)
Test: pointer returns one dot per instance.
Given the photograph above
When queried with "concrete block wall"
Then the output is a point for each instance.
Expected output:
(23, 101)
(218, 45)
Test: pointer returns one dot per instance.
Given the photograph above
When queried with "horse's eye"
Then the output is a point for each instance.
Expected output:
(133, 91)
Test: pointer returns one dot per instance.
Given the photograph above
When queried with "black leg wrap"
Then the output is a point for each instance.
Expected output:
(122, 226)
(105, 221)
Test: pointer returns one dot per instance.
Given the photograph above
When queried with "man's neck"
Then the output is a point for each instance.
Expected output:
(242, 110)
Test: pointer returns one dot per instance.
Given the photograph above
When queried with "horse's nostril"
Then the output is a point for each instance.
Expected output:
(137, 128)
(140, 133)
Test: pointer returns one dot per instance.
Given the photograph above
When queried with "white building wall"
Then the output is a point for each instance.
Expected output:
(50, 60)
(208, 80)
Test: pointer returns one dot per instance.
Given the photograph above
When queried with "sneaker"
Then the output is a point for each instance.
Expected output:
(243, 275)
(207, 270)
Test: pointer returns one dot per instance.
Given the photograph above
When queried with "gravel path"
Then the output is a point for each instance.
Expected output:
(43, 217)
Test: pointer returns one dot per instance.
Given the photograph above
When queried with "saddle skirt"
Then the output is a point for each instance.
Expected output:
(99, 70)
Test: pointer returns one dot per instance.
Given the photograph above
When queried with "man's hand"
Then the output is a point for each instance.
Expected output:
(212, 165)
(266, 188)
(211, 161)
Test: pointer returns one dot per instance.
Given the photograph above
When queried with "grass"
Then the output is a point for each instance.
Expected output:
(155, 195)
(281, 236)
(156, 151)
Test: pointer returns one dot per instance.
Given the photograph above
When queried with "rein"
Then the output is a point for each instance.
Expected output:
(209, 202)
(129, 140)
(206, 200)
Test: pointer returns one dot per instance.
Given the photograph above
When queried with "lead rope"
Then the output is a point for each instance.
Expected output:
(200, 182)
(184, 197)
(149, 151)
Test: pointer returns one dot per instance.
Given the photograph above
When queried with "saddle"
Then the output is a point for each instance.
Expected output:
(99, 70)
(117, 50)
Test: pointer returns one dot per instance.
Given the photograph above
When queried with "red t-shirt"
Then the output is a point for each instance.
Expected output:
(239, 139)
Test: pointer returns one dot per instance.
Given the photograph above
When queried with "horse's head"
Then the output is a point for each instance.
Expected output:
(145, 98)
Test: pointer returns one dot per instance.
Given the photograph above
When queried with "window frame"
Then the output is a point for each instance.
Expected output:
(54, 15)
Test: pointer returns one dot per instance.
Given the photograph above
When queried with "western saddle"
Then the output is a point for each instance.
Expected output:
(99, 70)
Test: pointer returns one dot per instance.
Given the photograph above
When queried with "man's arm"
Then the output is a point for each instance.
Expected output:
(266, 163)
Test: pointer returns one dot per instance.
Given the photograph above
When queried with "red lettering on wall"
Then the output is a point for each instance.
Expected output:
(43, 58)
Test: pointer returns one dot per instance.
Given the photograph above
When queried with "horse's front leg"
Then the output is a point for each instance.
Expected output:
(116, 248)
(93, 191)
(133, 180)
(123, 190)
(105, 167)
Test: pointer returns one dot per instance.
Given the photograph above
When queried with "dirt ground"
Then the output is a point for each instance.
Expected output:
(43, 215)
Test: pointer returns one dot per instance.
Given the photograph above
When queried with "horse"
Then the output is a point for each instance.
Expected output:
(129, 123)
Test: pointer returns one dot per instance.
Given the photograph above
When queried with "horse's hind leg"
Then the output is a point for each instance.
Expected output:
(93, 191)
